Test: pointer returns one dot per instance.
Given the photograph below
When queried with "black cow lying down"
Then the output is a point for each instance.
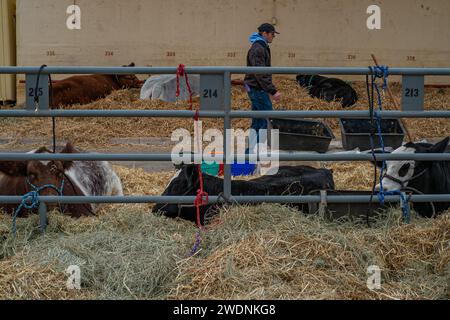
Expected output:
(329, 89)
(298, 180)
(428, 177)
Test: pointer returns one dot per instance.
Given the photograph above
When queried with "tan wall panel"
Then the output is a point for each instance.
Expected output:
(7, 49)
(212, 32)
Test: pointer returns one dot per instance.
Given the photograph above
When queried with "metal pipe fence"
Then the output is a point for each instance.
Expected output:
(216, 199)
(227, 114)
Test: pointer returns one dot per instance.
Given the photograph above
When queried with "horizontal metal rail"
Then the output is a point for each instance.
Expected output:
(294, 156)
(338, 114)
(217, 114)
(221, 70)
(235, 199)
(110, 113)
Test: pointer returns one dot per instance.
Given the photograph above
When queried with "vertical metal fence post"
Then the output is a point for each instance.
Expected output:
(227, 136)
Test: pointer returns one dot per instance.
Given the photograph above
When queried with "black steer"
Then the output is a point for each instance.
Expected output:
(428, 177)
(297, 180)
(329, 89)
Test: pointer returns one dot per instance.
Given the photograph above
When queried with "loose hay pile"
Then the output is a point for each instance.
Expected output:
(97, 132)
(264, 252)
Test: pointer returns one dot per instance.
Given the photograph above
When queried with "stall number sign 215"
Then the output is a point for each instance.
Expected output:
(33, 93)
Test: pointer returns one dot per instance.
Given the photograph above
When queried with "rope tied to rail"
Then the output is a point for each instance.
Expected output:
(383, 72)
(181, 72)
(31, 200)
(202, 197)
(382, 193)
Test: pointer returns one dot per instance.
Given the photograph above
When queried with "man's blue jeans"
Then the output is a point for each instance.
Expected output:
(260, 102)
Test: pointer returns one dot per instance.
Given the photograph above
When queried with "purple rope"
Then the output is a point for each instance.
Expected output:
(198, 241)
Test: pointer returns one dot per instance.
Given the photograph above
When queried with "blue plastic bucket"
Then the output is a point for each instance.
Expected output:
(242, 169)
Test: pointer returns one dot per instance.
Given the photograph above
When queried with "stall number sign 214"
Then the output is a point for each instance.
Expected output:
(210, 93)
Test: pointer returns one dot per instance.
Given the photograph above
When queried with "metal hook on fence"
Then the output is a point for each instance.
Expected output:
(36, 95)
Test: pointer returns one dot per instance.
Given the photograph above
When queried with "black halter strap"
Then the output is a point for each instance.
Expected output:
(402, 183)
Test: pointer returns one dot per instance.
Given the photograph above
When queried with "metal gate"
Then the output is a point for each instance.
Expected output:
(218, 80)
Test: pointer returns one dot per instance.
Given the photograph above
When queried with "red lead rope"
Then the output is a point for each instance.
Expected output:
(181, 72)
(202, 196)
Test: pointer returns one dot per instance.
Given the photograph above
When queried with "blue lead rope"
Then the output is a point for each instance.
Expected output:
(404, 202)
(383, 72)
(31, 200)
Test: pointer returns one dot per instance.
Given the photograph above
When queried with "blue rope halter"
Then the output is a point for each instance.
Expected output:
(31, 200)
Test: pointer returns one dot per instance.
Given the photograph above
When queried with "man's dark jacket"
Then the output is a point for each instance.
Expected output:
(259, 56)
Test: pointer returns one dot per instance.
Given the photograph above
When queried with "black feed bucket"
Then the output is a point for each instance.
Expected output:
(348, 210)
(302, 135)
(356, 133)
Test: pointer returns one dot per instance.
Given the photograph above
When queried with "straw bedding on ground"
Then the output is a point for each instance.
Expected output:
(261, 252)
(97, 132)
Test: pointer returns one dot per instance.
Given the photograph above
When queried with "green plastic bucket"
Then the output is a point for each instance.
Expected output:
(211, 168)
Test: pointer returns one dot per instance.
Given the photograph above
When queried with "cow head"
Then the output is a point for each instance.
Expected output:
(39, 173)
(307, 80)
(401, 174)
(183, 183)
(126, 81)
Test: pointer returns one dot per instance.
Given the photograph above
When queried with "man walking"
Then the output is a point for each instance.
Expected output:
(260, 86)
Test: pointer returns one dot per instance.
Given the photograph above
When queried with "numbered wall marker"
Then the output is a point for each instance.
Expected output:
(211, 92)
(413, 93)
(42, 91)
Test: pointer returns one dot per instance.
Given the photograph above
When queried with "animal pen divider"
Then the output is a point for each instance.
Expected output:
(216, 103)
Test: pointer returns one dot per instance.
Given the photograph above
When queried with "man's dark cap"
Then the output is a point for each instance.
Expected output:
(267, 27)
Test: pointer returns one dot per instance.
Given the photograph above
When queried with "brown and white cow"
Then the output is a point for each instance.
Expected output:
(88, 88)
(75, 178)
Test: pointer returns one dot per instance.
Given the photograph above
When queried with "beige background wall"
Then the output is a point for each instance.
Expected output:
(7, 50)
(415, 33)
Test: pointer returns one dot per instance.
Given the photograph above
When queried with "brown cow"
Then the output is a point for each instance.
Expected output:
(73, 178)
(85, 89)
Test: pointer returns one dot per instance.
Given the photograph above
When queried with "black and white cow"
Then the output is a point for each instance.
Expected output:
(428, 177)
(298, 180)
(329, 89)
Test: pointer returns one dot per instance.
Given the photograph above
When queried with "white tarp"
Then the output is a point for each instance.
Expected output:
(164, 87)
